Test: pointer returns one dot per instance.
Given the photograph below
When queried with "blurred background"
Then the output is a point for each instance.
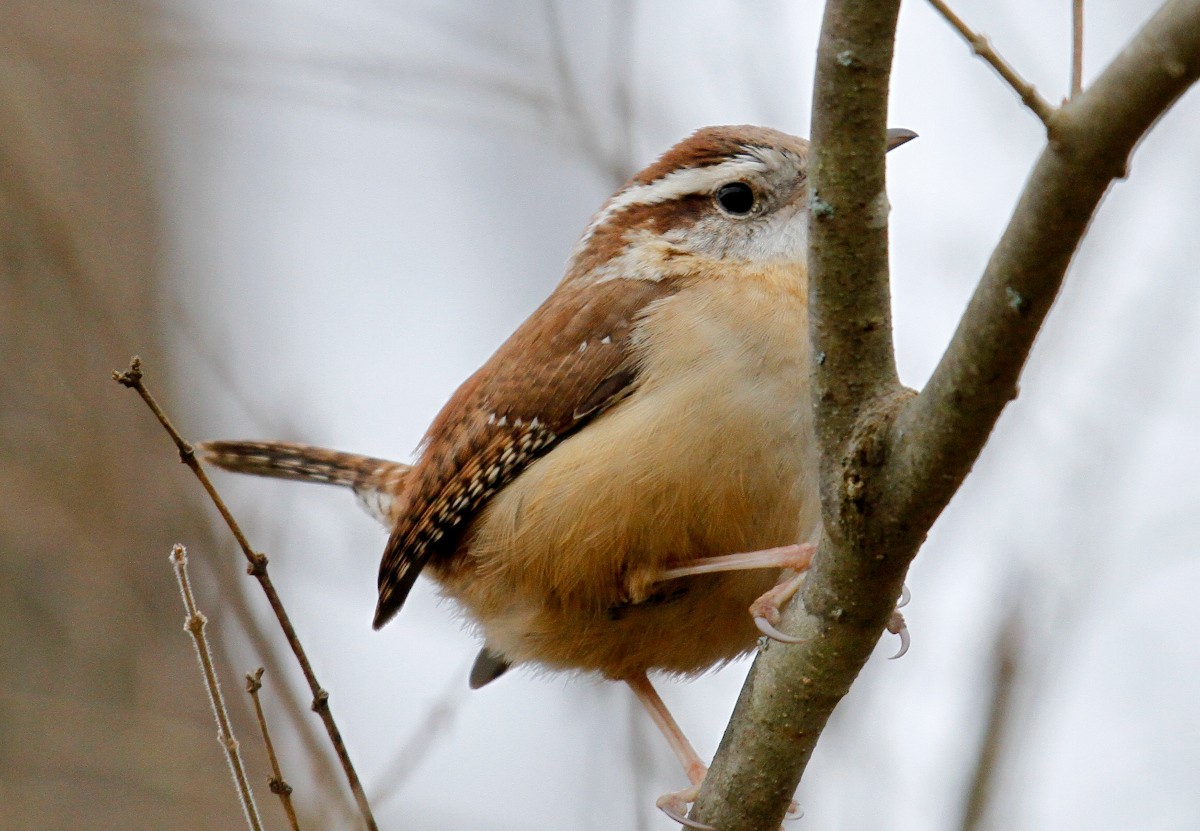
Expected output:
(313, 219)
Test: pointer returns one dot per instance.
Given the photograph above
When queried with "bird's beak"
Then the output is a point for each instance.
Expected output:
(897, 136)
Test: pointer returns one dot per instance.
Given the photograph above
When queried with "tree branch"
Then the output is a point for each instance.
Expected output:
(940, 435)
(133, 379)
(982, 47)
(792, 689)
(891, 460)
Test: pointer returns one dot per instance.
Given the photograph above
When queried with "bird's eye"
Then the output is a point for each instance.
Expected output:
(736, 198)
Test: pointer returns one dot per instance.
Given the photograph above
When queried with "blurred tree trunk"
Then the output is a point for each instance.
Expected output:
(103, 721)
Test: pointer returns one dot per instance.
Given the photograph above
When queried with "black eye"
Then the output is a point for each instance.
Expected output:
(736, 198)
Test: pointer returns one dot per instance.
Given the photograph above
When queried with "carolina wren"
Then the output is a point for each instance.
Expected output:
(589, 494)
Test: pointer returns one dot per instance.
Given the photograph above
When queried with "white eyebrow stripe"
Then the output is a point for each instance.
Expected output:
(680, 183)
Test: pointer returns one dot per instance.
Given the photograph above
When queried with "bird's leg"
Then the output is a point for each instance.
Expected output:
(765, 610)
(797, 557)
(673, 804)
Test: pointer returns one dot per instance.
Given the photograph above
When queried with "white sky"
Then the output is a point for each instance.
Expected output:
(366, 198)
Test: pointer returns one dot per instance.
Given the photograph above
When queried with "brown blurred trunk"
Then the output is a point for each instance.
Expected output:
(103, 722)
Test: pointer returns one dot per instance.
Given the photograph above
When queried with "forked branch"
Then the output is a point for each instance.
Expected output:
(891, 459)
(132, 378)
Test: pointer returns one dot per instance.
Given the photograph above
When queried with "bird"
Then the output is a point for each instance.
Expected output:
(629, 484)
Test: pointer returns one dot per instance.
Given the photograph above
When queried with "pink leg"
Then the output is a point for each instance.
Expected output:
(766, 609)
(673, 804)
(797, 557)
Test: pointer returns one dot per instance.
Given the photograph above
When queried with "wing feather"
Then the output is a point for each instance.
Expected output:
(569, 362)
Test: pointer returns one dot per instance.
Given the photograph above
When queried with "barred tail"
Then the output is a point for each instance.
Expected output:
(374, 481)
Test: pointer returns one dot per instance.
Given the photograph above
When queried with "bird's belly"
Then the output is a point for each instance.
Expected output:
(717, 460)
(693, 624)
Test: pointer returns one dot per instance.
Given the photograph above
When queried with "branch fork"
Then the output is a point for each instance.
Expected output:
(891, 459)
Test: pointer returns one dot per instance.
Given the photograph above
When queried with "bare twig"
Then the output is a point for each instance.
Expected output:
(323, 767)
(413, 752)
(621, 69)
(570, 96)
(1005, 670)
(194, 623)
(944, 429)
(891, 459)
(983, 48)
(1076, 47)
(132, 378)
(276, 782)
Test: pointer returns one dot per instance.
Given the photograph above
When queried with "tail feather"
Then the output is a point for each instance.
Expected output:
(375, 482)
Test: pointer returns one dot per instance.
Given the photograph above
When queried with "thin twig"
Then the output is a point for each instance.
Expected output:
(945, 427)
(983, 48)
(621, 68)
(132, 378)
(194, 623)
(1000, 712)
(276, 782)
(1076, 47)
(323, 768)
(570, 96)
(413, 752)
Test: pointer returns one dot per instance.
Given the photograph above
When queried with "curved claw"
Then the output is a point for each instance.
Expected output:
(674, 805)
(897, 626)
(905, 597)
(774, 634)
(794, 812)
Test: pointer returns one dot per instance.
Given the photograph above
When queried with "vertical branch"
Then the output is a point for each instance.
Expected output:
(849, 297)
(194, 623)
(851, 589)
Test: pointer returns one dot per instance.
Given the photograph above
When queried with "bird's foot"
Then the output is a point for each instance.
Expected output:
(897, 626)
(675, 805)
(768, 609)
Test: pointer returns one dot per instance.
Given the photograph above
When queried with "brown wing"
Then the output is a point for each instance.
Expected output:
(564, 366)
